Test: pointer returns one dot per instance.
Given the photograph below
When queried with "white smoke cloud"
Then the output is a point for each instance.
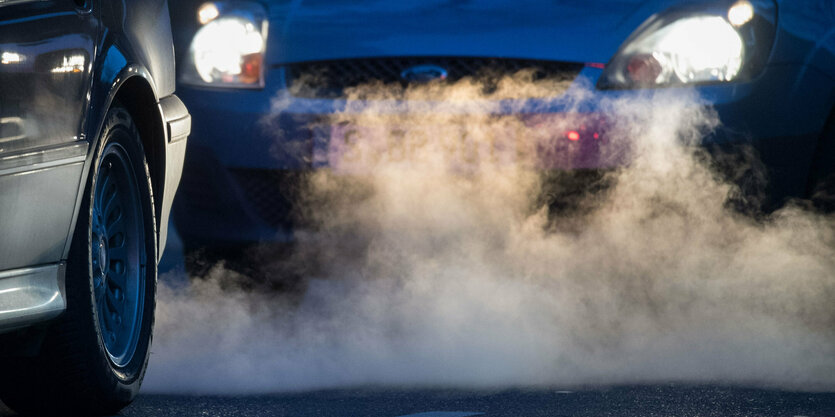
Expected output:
(438, 270)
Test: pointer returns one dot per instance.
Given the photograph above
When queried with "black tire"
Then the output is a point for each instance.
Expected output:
(76, 372)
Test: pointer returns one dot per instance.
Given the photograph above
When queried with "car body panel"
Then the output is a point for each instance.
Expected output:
(63, 67)
(36, 220)
(45, 52)
(31, 294)
(556, 30)
(177, 128)
(806, 35)
(135, 44)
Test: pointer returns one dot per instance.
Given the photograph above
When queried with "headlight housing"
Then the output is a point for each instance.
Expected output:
(228, 48)
(686, 46)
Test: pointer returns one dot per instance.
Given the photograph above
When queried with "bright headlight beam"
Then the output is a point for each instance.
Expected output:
(220, 46)
(711, 46)
(694, 49)
(703, 47)
(741, 13)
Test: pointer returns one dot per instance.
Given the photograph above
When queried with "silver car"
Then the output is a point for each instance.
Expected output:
(92, 141)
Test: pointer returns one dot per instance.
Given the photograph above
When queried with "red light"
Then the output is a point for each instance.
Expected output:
(597, 135)
(251, 68)
(595, 65)
(573, 135)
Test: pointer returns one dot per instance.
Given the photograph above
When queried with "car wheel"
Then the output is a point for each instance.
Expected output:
(93, 358)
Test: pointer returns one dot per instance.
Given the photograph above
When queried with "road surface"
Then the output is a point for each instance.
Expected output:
(643, 401)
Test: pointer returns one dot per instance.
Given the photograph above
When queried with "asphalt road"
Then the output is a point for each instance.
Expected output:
(644, 401)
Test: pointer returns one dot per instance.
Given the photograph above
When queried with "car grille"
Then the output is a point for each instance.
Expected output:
(331, 79)
(272, 193)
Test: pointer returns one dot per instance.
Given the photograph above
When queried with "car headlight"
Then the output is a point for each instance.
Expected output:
(228, 48)
(690, 45)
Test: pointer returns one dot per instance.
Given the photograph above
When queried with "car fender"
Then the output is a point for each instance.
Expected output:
(121, 76)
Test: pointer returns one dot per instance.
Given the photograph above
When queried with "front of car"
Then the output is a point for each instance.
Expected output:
(263, 81)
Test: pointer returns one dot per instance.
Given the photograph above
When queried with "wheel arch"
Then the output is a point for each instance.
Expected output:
(134, 89)
(137, 96)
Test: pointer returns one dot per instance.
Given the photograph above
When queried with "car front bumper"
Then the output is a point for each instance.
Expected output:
(246, 143)
(177, 125)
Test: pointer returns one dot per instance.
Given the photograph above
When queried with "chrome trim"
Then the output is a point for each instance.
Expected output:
(10, 2)
(31, 295)
(41, 158)
(424, 73)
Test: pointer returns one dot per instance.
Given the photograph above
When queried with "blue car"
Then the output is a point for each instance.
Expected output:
(766, 66)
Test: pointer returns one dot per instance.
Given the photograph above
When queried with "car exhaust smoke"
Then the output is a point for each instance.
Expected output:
(455, 261)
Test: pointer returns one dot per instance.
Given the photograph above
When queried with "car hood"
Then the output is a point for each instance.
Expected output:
(564, 30)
